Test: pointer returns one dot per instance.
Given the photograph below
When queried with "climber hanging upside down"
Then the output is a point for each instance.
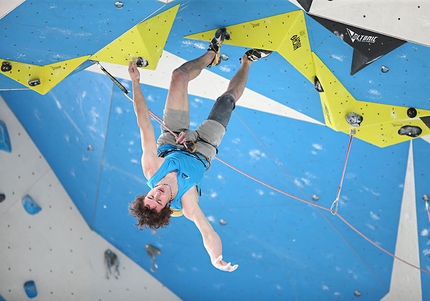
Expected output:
(174, 171)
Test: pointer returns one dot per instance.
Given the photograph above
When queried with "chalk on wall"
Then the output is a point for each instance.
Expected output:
(4, 138)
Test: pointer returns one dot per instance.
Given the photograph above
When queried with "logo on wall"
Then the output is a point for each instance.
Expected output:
(368, 46)
(355, 37)
(295, 39)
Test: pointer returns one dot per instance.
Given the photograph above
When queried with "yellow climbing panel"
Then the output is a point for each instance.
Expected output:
(381, 123)
(42, 78)
(146, 40)
(285, 33)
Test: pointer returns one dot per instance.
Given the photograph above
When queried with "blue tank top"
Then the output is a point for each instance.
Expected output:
(190, 170)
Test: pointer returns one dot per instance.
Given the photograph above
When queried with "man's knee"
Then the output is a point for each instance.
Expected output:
(222, 109)
(180, 76)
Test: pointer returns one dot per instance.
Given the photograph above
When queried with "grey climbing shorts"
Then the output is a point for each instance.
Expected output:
(207, 136)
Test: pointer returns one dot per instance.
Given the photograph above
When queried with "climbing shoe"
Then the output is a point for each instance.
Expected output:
(256, 54)
(215, 45)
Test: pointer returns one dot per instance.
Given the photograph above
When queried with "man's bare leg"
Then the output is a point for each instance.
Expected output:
(177, 97)
(238, 82)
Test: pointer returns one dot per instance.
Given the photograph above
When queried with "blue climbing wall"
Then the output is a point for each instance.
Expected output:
(286, 248)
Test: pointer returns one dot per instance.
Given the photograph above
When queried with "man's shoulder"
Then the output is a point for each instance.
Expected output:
(150, 165)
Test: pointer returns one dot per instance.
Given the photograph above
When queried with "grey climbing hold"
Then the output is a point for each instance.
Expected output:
(112, 261)
(153, 251)
(410, 130)
(354, 119)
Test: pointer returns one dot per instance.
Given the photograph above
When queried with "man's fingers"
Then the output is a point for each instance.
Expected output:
(223, 266)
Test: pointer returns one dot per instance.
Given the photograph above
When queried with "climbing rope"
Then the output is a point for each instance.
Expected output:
(333, 209)
(335, 205)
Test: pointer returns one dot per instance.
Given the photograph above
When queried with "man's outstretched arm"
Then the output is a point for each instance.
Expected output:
(149, 144)
(211, 239)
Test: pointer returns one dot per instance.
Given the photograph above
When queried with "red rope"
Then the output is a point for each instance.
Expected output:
(323, 208)
(335, 205)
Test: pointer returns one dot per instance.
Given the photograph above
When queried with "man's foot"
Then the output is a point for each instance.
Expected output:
(215, 45)
(256, 54)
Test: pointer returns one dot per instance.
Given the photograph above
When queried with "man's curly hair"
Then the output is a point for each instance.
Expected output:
(149, 218)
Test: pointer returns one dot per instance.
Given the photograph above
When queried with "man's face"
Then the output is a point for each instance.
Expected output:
(157, 198)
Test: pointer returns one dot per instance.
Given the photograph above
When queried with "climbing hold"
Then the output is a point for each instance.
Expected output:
(2, 197)
(152, 252)
(34, 82)
(30, 206)
(1, 298)
(6, 66)
(111, 260)
(318, 85)
(4, 138)
(119, 4)
(412, 112)
(141, 62)
(354, 119)
(384, 69)
(410, 130)
(30, 289)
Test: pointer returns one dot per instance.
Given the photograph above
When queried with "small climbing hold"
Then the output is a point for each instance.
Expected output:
(410, 130)
(354, 119)
(318, 85)
(152, 251)
(141, 62)
(30, 289)
(4, 138)
(119, 4)
(2, 197)
(30, 206)
(412, 112)
(6, 66)
(111, 260)
(34, 82)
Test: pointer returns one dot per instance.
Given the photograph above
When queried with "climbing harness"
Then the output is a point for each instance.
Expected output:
(333, 209)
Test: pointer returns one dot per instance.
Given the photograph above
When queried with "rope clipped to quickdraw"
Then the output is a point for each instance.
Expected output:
(115, 81)
(180, 139)
(335, 205)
